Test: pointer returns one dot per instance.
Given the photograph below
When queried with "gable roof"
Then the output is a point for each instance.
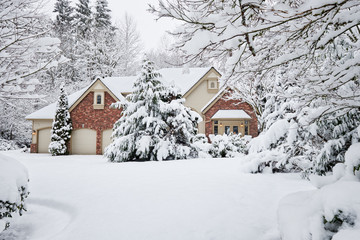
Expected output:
(48, 112)
(185, 80)
(213, 100)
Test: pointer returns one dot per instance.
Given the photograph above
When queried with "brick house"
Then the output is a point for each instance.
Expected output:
(93, 119)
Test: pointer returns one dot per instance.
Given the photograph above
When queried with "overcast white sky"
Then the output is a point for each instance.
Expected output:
(150, 30)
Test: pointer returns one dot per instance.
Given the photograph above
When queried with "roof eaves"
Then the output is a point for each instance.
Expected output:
(200, 79)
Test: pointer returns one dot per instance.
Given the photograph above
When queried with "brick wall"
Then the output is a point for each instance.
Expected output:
(223, 104)
(85, 116)
(33, 148)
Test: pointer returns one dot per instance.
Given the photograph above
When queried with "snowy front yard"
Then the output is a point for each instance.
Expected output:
(85, 197)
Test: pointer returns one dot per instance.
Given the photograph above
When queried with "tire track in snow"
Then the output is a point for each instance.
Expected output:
(44, 220)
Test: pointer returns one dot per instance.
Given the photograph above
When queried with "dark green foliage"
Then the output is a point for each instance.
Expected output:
(339, 219)
(102, 14)
(61, 128)
(64, 17)
(83, 19)
(338, 131)
(7, 209)
(155, 125)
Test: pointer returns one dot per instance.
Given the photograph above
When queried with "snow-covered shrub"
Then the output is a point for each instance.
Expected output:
(339, 130)
(154, 123)
(6, 145)
(202, 145)
(227, 145)
(271, 149)
(13, 189)
(330, 212)
(61, 127)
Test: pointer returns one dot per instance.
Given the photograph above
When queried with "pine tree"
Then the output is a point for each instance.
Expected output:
(64, 18)
(154, 125)
(65, 30)
(61, 128)
(83, 19)
(102, 16)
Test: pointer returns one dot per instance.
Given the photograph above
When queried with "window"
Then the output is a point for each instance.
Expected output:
(212, 84)
(227, 130)
(98, 99)
(216, 122)
(235, 129)
(216, 130)
(246, 127)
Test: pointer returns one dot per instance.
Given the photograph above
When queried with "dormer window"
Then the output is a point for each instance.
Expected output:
(98, 99)
(212, 84)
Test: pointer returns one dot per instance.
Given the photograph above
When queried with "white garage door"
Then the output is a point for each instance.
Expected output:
(44, 140)
(106, 139)
(83, 141)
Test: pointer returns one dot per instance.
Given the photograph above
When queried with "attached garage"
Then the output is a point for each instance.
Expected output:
(106, 139)
(43, 140)
(83, 141)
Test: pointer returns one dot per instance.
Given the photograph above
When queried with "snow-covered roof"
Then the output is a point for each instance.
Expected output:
(48, 112)
(230, 114)
(213, 98)
(118, 85)
(182, 78)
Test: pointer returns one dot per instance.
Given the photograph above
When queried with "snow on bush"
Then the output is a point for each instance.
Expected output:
(270, 150)
(330, 212)
(271, 138)
(6, 145)
(13, 189)
(202, 145)
(352, 159)
(226, 146)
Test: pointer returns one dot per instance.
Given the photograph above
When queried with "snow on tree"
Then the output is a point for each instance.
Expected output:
(61, 127)
(83, 19)
(13, 191)
(102, 16)
(301, 55)
(64, 18)
(26, 51)
(129, 38)
(154, 123)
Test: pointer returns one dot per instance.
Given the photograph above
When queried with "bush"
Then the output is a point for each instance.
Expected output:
(13, 189)
(221, 146)
(227, 145)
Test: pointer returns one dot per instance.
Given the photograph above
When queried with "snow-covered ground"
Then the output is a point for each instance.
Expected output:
(86, 197)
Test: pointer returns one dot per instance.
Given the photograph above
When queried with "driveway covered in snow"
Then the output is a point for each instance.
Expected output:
(85, 197)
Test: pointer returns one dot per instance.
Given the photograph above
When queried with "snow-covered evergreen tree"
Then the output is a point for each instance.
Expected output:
(61, 127)
(102, 18)
(154, 124)
(64, 17)
(181, 126)
(83, 19)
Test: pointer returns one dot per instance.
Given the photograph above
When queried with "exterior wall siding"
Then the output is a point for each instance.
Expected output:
(223, 104)
(85, 116)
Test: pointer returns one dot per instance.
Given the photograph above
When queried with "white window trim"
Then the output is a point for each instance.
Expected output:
(101, 105)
